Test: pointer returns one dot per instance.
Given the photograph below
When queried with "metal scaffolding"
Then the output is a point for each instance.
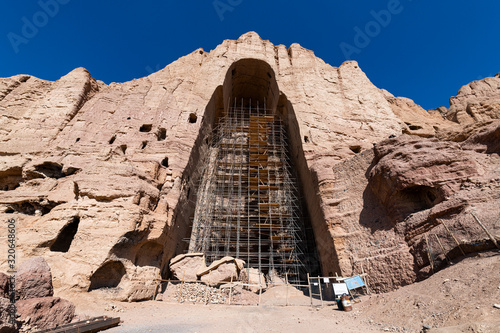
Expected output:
(247, 203)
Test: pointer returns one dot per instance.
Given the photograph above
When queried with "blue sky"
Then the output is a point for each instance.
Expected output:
(421, 49)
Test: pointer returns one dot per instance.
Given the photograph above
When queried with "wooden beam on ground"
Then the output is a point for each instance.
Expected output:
(91, 325)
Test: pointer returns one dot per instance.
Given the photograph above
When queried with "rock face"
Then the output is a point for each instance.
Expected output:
(34, 279)
(431, 191)
(410, 206)
(101, 179)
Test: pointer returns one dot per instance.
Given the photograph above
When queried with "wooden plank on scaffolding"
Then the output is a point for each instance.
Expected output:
(261, 118)
(263, 187)
(259, 149)
(257, 196)
(259, 158)
(277, 216)
(280, 237)
(258, 163)
(258, 143)
(268, 225)
(269, 204)
(288, 261)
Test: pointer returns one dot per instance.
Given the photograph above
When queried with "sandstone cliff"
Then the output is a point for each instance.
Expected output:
(101, 179)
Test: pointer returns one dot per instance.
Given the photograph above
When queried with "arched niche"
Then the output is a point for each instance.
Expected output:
(251, 79)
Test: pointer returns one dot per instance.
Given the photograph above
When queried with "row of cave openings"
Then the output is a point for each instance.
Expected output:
(161, 134)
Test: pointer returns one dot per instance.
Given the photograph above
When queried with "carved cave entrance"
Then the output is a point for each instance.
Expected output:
(249, 202)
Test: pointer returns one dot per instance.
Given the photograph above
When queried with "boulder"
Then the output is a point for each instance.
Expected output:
(185, 266)
(34, 279)
(255, 278)
(223, 270)
(46, 312)
(222, 273)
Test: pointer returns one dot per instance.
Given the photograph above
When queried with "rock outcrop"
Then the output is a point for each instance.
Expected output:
(101, 179)
(477, 101)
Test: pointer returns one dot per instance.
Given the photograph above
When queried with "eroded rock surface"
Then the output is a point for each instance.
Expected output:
(409, 208)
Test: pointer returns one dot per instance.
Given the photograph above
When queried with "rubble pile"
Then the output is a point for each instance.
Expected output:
(195, 293)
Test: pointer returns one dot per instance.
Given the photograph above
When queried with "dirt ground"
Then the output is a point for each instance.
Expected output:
(463, 293)
(460, 298)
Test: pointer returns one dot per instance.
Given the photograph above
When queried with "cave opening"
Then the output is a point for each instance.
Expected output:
(66, 236)
(415, 199)
(108, 275)
(249, 202)
(149, 254)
